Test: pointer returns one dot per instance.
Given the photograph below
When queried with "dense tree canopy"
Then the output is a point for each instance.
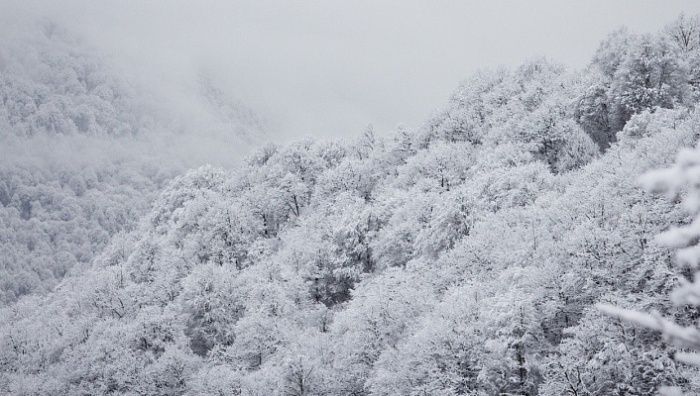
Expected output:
(462, 258)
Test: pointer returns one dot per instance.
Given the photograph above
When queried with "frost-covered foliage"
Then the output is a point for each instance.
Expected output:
(82, 156)
(462, 258)
(680, 182)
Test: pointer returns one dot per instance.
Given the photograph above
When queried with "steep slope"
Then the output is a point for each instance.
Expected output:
(461, 258)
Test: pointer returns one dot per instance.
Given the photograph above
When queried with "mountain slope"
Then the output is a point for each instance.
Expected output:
(461, 258)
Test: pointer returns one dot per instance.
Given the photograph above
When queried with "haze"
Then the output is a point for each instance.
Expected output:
(329, 68)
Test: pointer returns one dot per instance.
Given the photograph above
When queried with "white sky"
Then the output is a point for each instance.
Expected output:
(328, 68)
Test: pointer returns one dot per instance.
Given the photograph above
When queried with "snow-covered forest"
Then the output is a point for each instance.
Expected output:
(537, 236)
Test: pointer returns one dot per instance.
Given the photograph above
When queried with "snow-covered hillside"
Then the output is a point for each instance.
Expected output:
(465, 257)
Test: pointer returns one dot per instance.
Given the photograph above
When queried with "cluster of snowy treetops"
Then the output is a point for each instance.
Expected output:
(462, 258)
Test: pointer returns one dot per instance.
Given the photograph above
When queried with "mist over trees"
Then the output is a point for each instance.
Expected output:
(469, 256)
(83, 154)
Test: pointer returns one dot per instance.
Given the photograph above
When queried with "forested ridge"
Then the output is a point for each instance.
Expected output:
(465, 257)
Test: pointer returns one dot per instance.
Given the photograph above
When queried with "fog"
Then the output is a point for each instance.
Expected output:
(329, 68)
(532, 231)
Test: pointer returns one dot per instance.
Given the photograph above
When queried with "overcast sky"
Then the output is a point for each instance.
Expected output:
(329, 68)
